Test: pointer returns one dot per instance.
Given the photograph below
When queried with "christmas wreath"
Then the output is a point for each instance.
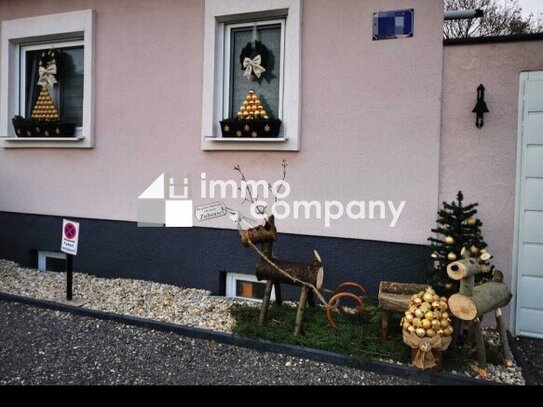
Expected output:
(254, 59)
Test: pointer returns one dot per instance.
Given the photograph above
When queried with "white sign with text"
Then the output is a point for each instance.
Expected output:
(70, 237)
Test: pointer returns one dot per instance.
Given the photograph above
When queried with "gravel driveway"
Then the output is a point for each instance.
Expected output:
(39, 346)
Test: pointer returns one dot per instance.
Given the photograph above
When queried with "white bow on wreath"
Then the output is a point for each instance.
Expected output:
(253, 65)
(47, 77)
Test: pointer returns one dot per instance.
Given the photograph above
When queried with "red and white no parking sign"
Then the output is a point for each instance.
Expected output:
(70, 237)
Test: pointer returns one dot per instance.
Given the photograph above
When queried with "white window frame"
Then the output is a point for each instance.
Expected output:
(49, 29)
(232, 278)
(219, 14)
(42, 258)
(227, 81)
(23, 49)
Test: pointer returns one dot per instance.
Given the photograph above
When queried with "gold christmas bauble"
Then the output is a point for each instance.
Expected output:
(425, 307)
(436, 324)
(429, 316)
(417, 301)
(245, 103)
(416, 322)
(451, 256)
(428, 297)
(411, 329)
(474, 250)
(426, 324)
(471, 221)
(444, 323)
(406, 325)
(430, 333)
(254, 97)
(420, 332)
(419, 313)
(449, 240)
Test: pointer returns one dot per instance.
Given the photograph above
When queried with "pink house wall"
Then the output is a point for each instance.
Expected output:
(482, 162)
(370, 117)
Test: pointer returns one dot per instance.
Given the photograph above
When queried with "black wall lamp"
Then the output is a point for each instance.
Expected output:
(480, 108)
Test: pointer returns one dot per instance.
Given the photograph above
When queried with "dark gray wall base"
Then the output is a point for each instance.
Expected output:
(195, 257)
(405, 372)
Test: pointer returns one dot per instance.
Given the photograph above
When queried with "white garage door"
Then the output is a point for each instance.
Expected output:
(529, 233)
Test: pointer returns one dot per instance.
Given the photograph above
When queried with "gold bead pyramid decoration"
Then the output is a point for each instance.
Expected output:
(251, 108)
(45, 108)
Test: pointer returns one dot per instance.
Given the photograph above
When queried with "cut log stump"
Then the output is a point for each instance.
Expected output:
(486, 297)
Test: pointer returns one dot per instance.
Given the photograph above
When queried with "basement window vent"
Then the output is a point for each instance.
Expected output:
(245, 286)
(51, 261)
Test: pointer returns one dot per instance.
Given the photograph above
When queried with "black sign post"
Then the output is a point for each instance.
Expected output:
(69, 276)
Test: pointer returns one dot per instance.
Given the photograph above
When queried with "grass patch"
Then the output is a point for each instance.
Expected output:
(357, 335)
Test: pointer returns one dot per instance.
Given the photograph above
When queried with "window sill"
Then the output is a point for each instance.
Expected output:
(249, 144)
(44, 142)
(247, 140)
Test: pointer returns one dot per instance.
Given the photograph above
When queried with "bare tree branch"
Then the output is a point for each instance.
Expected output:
(500, 18)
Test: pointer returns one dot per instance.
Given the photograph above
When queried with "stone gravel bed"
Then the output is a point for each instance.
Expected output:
(162, 302)
(44, 347)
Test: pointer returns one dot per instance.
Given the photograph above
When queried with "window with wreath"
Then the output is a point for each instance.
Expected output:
(252, 75)
(51, 90)
(254, 58)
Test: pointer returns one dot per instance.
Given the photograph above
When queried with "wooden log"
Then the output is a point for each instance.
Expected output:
(278, 296)
(480, 345)
(265, 303)
(308, 273)
(300, 312)
(466, 285)
(384, 327)
(507, 355)
(486, 297)
(260, 234)
(392, 287)
(457, 270)
(396, 296)
(394, 302)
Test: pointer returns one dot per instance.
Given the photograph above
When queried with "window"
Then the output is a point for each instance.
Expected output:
(246, 286)
(269, 89)
(70, 38)
(229, 28)
(68, 94)
(51, 261)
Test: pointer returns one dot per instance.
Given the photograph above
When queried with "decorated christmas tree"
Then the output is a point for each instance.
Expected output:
(251, 108)
(457, 229)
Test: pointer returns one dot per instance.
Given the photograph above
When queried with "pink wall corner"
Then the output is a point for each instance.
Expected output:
(482, 162)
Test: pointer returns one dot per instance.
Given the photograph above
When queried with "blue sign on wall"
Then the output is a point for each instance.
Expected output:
(393, 24)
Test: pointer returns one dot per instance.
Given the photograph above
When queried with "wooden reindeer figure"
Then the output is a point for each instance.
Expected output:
(276, 271)
(471, 303)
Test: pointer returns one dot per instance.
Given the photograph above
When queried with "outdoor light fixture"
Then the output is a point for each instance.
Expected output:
(480, 108)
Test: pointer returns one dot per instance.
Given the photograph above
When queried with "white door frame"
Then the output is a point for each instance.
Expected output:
(519, 204)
